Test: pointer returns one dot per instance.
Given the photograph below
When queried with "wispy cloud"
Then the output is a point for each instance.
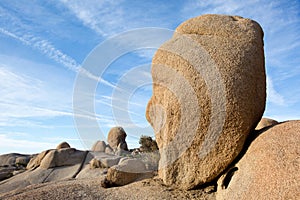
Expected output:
(18, 30)
(51, 52)
(272, 95)
(104, 16)
(9, 145)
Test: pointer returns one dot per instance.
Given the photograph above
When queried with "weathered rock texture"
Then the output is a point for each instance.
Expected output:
(265, 122)
(116, 137)
(270, 167)
(210, 81)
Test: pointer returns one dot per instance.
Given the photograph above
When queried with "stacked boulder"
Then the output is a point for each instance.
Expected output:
(117, 138)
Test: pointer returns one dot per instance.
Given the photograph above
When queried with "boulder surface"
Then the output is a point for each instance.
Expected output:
(270, 167)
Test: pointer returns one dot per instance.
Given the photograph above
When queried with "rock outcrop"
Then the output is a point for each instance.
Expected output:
(62, 157)
(209, 92)
(36, 160)
(14, 159)
(13, 163)
(116, 137)
(265, 122)
(269, 169)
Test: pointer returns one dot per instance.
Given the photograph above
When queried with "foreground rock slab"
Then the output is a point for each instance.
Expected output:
(209, 92)
(270, 167)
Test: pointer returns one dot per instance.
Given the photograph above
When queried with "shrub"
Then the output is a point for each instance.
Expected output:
(148, 144)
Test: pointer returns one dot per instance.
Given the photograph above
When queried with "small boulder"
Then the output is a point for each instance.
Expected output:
(99, 146)
(94, 163)
(22, 161)
(128, 171)
(110, 161)
(265, 122)
(117, 136)
(63, 145)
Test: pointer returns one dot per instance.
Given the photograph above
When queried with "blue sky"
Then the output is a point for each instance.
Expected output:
(44, 43)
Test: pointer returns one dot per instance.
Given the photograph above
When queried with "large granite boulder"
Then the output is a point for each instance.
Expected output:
(209, 93)
(269, 169)
(116, 137)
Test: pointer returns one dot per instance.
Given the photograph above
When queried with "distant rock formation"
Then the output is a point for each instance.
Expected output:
(63, 145)
(69, 163)
(116, 137)
(99, 146)
(209, 92)
(265, 122)
(13, 163)
(269, 169)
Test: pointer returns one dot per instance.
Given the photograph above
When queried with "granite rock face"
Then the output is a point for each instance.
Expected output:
(270, 167)
(209, 93)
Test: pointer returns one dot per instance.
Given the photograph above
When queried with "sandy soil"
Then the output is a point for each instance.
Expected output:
(91, 189)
